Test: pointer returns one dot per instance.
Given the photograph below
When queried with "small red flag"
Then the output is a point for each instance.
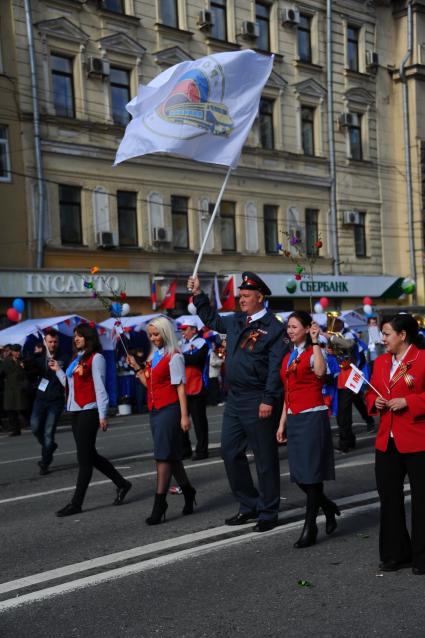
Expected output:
(228, 296)
(169, 300)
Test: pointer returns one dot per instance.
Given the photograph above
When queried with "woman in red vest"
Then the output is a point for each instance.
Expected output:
(164, 377)
(87, 401)
(306, 423)
(399, 377)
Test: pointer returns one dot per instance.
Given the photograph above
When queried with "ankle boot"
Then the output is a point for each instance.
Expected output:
(158, 511)
(189, 499)
(330, 510)
(308, 535)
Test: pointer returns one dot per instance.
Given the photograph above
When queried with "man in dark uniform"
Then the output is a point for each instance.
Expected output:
(255, 349)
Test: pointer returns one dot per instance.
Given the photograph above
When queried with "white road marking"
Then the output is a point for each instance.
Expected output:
(135, 568)
(24, 497)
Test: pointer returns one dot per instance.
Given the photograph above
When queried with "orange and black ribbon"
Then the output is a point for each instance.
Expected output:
(402, 372)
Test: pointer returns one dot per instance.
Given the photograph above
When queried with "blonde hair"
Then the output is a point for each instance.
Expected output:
(166, 331)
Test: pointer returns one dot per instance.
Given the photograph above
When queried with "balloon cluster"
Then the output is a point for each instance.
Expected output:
(367, 306)
(14, 313)
(118, 306)
(321, 305)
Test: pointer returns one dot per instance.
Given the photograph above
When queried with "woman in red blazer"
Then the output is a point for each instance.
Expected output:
(399, 376)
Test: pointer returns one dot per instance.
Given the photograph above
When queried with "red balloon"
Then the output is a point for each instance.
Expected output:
(324, 302)
(13, 315)
(367, 301)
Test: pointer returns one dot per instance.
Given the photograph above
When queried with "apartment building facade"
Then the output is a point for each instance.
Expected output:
(145, 219)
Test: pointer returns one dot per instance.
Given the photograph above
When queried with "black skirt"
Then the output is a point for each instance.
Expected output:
(310, 447)
(167, 433)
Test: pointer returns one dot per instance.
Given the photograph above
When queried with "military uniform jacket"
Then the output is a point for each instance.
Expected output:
(254, 352)
(15, 385)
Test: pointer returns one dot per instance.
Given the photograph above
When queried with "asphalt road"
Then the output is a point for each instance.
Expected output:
(106, 574)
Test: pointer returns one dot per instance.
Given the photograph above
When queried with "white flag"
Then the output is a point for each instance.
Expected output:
(201, 109)
(355, 380)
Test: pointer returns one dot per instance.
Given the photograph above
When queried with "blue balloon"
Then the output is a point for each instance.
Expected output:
(19, 305)
(116, 309)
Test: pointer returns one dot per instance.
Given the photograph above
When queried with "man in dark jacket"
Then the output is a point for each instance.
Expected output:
(255, 349)
(50, 398)
(15, 401)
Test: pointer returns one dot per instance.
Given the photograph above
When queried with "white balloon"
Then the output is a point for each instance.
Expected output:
(125, 309)
(318, 308)
(367, 309)
(192, 308)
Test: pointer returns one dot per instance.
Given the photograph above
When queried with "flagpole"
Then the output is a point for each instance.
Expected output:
(211, 222)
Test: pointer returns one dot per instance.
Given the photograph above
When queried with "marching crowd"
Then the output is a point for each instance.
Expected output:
(281, 385)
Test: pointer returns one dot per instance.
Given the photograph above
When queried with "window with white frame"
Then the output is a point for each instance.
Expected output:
(218, 9)
(355, 136)
(270, 229)
(228, 226)
(360, 237)
(179, 216)
(312, 232)
(307, 129)
(117, 6)
(63, 85)
(353, 47)
(304, 38)
(169, 13)
(5, 172)
(119, 80)
(262, 17)
(266, 124)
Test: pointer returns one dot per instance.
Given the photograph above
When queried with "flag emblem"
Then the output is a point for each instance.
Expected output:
(189, 103)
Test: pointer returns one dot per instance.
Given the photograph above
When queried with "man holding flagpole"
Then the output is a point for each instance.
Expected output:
(255, 349)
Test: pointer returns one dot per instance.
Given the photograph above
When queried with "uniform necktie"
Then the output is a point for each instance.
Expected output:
(294, 355)
(248, 320)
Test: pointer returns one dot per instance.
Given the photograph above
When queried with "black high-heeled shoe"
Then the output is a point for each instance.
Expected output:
(189, 493)
(308, 535)
(331, 510)
(160, 506)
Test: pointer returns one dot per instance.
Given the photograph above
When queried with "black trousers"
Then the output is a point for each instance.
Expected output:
(213, 391)
(391, 468)
(85, 426)
(197, 407)
(344, 416)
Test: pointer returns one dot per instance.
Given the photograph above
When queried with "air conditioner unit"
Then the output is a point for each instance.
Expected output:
(372, 60)
(97, 66)
(160, 235)
(290, 16)
(345, 119)
(250, 29)
(351, 218)
(105, 239)
(205, 19)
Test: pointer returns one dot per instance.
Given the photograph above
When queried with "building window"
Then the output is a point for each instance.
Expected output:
(127, 218)
(311, 232)
(304, 38)
(62, 86)
(360, 236)
(113, 5)
(266, 123)
(228, 228)
(168, 12)
(70, 214)
(120, 95)
(219, 11)
(179, 207)
(307, 129)
(355, 133)
(262, 17)
(5, 175)
(353, 34)
(270, 229)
